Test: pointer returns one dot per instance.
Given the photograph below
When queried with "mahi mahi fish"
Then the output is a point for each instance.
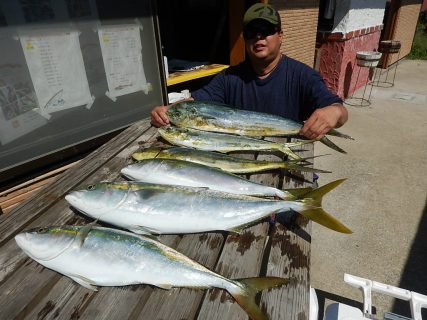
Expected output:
(185, 173)
(217, 117)
(222, 142)
(108, 257)
(219, 160)
(171, 210)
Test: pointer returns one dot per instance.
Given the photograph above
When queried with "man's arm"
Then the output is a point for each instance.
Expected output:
(323, 120)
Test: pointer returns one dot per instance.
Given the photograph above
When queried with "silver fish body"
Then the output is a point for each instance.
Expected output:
(109, 257)
(217, 117)
(222, 161)
(212, 141)
(180, 172)
(174, 210)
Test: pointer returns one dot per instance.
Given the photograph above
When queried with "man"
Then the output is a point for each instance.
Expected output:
(270, 82)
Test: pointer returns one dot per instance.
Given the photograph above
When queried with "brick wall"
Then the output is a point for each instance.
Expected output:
(403, 29)
(299, 25)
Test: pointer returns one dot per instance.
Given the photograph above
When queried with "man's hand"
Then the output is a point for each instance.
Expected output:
(159, 117)
(323, 120)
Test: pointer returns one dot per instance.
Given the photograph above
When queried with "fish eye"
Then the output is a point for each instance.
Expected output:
(42, 230)
(90, 187)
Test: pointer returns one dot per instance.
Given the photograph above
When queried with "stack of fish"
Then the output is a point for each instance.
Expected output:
(178, 190)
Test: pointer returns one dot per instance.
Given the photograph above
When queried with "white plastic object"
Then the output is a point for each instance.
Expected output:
(165, 61)
(416, 300)
(314, 305)
(341, 311)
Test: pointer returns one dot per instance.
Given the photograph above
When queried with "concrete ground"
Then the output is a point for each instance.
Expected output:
(383, 199)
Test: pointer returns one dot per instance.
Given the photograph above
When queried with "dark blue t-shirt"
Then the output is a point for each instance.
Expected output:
(293, 90)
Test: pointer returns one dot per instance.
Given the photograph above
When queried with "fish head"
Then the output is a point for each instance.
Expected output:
(98, 199)
(137, 170)
(147, 153)
(181, 112)
(46, 243)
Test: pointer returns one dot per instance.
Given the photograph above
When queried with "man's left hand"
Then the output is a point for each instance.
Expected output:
(323, 120)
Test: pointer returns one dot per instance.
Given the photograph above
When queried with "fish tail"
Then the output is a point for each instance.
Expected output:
(331, 145)
(315, 212)
(305, 159)
(286, 150)
(336, 133)
(249, 287)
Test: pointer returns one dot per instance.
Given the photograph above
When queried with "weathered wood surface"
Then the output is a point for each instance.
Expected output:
(30, 291)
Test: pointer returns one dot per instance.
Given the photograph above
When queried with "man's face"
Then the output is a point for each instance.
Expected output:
(262, 40)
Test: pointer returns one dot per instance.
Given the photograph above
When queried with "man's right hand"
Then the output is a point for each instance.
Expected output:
(159, 117)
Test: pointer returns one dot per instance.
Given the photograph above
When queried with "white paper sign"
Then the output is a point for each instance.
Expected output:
(18, 103)
(57, 70)
(122, 56)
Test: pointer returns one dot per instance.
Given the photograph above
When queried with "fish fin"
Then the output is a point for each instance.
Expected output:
(308, 158)
(289, 152)
(299, 193)
(315, 212)
(331, 145)
(325, 219)
(85, 282)
(249, 288)
(336, 133)
(164, 286)
(236, 230)
(82, 235)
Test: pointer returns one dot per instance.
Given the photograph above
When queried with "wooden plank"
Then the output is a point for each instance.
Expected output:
(183, 303)
(289, 257)
(241, 257)
(18, 291)
(53, 295)
(50, 194)
(59, 213)
(36, 180)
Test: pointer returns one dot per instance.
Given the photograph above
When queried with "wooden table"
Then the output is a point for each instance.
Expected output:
(30, 291)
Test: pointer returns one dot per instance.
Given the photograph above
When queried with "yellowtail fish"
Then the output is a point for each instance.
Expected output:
(185, 173)
(108, 257)
(177, 210)
(212, 141)
(217, 117)
(219, 160)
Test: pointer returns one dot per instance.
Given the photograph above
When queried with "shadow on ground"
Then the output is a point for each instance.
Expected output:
(414, 275)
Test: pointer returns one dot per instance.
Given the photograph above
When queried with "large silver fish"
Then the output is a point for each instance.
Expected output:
(108, 257)
(171, 210)
(217, 117)
(220, 160)
(222, 142)
(185, 173)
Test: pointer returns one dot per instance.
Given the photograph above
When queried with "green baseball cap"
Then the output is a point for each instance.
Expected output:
(261, 11)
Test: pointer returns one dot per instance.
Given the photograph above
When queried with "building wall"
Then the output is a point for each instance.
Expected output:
(338, 64)
(351, 15)
(357, 27)
(402, 22)
(299, 25)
